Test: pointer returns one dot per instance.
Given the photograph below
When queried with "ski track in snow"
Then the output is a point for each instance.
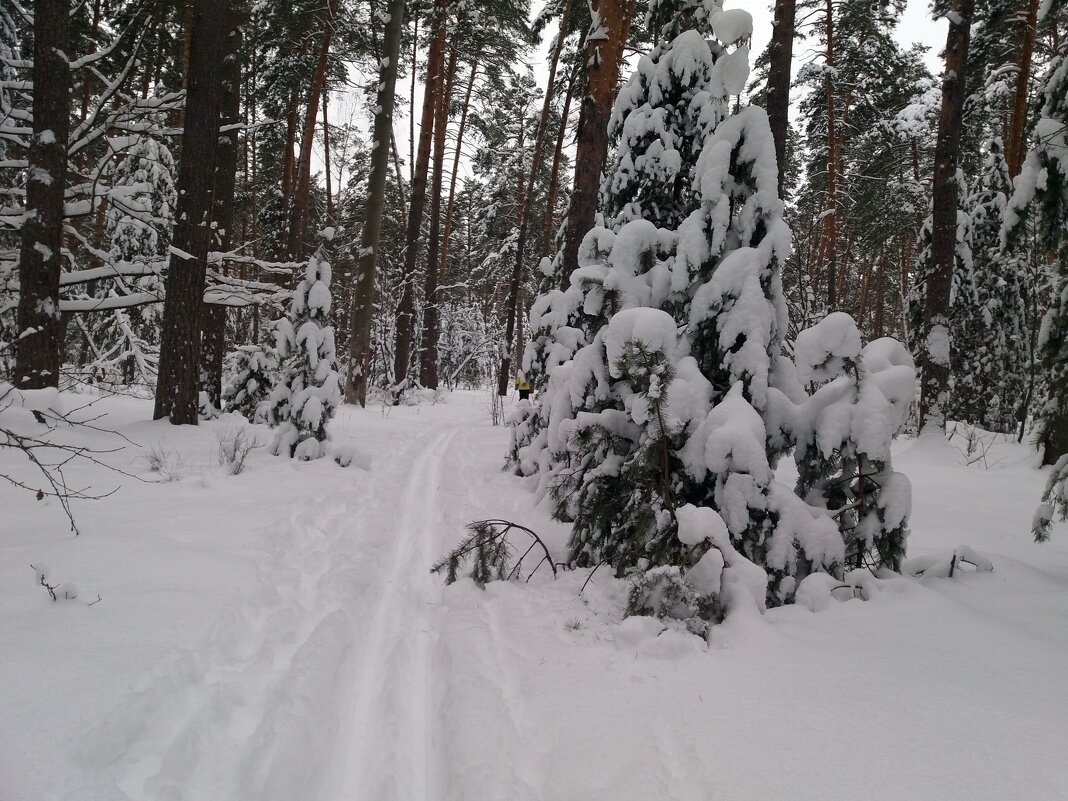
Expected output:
(394, 746)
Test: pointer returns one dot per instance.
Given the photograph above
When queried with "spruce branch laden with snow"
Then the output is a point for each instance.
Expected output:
(308, 392)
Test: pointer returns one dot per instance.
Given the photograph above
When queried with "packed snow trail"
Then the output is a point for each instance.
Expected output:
(395, 748)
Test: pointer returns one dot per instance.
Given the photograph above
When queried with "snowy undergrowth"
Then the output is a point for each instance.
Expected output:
(277, 635)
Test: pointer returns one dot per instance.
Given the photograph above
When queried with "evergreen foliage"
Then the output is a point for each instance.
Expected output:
(253, 371)
(667, 399)
(989, 369)
(1044, 182)
(1054, 501)
(308, 392)
(844, 435)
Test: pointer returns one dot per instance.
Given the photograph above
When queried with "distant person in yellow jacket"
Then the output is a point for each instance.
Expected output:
(522, 385)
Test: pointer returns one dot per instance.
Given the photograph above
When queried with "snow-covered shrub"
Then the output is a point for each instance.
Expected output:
(235, 445)
(844, 432)
(252, 373)
(166, 463)
(309, 391)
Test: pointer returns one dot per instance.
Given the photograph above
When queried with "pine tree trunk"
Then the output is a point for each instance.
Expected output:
(780, 63)
(213, 339)
(288, 166)
(830, 219)
(37, 355)
(880, 290)
(302, 190)
(428, 356)
(513, 311)
(326, 163)
(1015, 145)
(934, 353)
(363, 293)
(451, 207)
(603, 55)
(403, 204)
(402, 350)
(547, 239)
(176, 387)
(411, 102)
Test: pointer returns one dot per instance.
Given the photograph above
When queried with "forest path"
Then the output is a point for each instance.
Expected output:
(390, 745)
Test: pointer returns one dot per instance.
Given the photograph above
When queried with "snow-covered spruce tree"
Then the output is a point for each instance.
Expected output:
(677, 95)
(963, 318)
(991, 371)
(679, 402)
(1043, 181)
(309, 389)
(844, 431)
(253, 371)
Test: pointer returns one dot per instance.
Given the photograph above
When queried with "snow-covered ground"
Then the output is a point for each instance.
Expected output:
(277, 635)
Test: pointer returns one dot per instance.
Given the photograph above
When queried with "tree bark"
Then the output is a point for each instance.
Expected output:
(326, 163)
(1015, 145)
(37, 353)
(512, 336)
(451, 207)
(213, 339)
(302, 190)
(402, 350)
(547, 239)
(780, 64)
(363, 294)
(176, 386)
(428, 356)
(830, 219)
(603, 56)
(934, 353)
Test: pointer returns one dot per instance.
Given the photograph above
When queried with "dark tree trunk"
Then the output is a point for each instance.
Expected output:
(402, 351)
(603, 57)
(176, 387)
(37, 355)
(934, 353)
(363, 294)
(213, 339)
(830, 220)
(302, 190)
(450, 209)
(547, 239)
(428, 357)
(780, 62)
